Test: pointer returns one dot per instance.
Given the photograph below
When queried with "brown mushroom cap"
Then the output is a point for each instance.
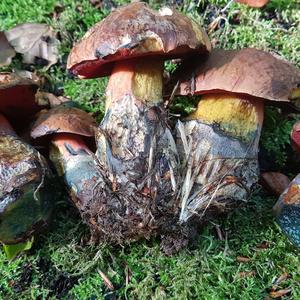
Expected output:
(17, 96)
(132, 31)
(249, 72)
(63, 119)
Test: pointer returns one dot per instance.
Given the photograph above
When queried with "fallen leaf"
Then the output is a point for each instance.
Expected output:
(279, 293)
(6, 51)
(34, 41)
(283, 277)
(246, 274)
(243, 259)
(106, 280)
(50, 99)
(262, 246)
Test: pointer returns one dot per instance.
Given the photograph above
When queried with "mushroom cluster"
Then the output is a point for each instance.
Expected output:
(26, 182)
(148, 178)
(135, 175)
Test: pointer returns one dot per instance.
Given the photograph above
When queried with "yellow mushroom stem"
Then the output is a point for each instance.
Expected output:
(141, 78)
(5, 127)
(234, 115)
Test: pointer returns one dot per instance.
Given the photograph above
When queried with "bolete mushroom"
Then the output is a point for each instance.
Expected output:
(70, 131)
(26, 182)
(287, 208)
(219, 141)
(135, 145)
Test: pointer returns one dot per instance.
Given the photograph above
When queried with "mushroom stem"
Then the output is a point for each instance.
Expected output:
(5, 127)
(138, 153)
(134, 114)
(222, 162)
(139, 78)
(236, 116)
(66, 146)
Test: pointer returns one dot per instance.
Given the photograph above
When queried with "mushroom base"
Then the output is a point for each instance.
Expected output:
(116, 207)
(26, 190)
(219, 156)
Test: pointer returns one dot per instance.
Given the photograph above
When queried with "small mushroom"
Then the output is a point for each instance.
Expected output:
(26, 182)
(219, 141)
(287, 208)
(135, 144)
(69, 131)
(17, 94)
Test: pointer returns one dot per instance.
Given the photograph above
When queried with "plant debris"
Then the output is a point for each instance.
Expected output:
(36, 42)
(106, 280)
(280, 293)
(7, 52)
(243, 259)
(245, 274)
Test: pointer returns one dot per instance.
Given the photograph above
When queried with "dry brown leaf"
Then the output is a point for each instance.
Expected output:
(106, 280)
(279, 293)
(283, 277)
(246, 274)
(6, 51)
(262, 246)
(52, 100)
(34, 41)
(243, 259)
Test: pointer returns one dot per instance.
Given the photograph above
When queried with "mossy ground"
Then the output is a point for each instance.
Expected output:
(63, 265)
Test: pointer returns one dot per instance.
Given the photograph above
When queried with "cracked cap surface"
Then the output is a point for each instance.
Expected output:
(132, 31)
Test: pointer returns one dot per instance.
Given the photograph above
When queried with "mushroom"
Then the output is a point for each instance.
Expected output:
(135, 146)
(219, 141)
(287, 208)
(26, 182)
(70, 131)
(17, 94)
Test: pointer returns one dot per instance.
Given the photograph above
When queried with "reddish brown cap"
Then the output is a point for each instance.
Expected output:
(63, 119)
(249, 72)
(132, 31)
(17, 96)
